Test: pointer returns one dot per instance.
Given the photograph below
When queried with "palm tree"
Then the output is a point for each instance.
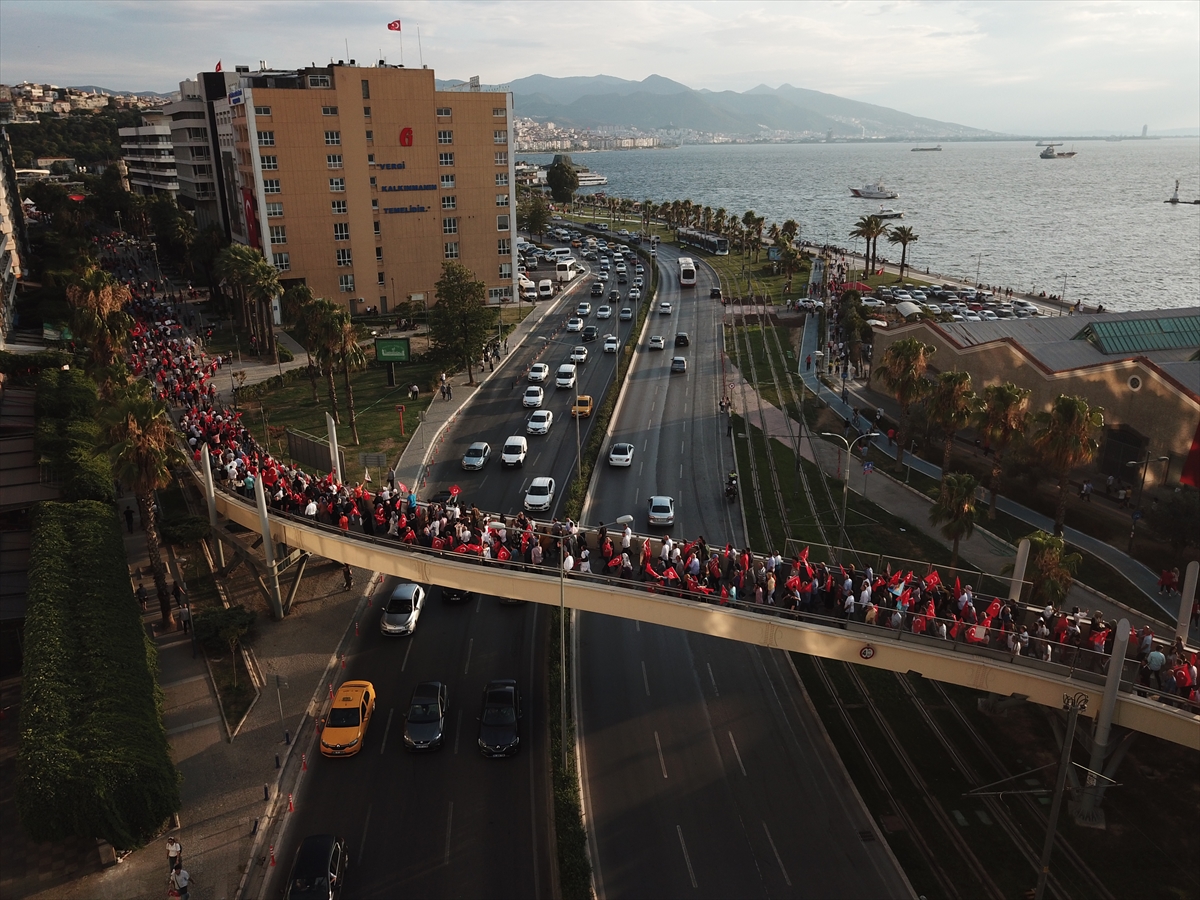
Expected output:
(327, 319)
(99, 318)
(789, 230)
(869, 228)
(142, 444)
(1064, 441)
(719, 219)
(352, 358)
(748, 219)
(951, 406)
(954, 509)
(1004, 416)
(902, 235)
(902, 370)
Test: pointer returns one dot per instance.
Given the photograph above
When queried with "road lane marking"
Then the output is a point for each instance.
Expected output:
(641, 466)
(681, 470)
(637, 625)
(645, 444)
(635, 495)
(467, 664)
(712, 679)
(682, 445)
(406, 652)
(741, 765)
(649, 423)
(661, 760)
(362, 842)
(687, 859)
(386, 729)
(449, 825)
(778, 858)
(457, 731)
(645, 679)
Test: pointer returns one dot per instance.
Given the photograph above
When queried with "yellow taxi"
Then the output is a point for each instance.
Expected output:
(346, 725)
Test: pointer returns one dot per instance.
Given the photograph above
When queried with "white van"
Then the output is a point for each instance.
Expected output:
(565, 270)
(565, 378)
(562, 252)
(545, 290)
(529, 291)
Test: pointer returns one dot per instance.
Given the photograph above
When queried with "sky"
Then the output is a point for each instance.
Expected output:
(1060, 68)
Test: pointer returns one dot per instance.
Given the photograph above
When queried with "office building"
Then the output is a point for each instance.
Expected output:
(149, 156)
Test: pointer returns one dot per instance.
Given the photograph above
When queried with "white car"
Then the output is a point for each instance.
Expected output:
(620, 267)
(403, 609)
(514, 451)
(639, 270)
(540, 494)
(665, 308)
(872, 303)
(988, 316)
(579, 354)
(610, 343)
(638, 282)
(919, 296)
(900, 296)
(662, 510)
(603, 276)
(574, 324)
(604, 312)
(533, 397)
(539, 422)
(621, 455)
(972, 317)
(635, 294)
(626, 314)
(584, 309)
(657, 342)
(539, 372)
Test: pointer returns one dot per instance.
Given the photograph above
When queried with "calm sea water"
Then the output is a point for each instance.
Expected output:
(995, 208)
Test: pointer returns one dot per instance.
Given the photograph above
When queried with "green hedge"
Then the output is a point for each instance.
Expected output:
(67, 435)
(94, 759)
(24, 366)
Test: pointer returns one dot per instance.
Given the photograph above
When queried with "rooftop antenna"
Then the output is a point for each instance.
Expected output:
(420, 52)
(347, 40)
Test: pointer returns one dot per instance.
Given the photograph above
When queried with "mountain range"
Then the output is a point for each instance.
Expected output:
(95, 89)
(656, 102)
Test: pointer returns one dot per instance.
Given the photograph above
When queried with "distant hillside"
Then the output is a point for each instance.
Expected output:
(660, 103)
(95, 89)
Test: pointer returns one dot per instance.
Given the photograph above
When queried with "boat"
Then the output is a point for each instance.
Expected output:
(1175, 197)
(874, 191)
(926, 149)
(886, 212)
(1043, 144)
(1051, 153)
(591, 179)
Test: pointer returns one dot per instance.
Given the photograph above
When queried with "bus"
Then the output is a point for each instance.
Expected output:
(687, 272)
(710, 243)
(566, 269)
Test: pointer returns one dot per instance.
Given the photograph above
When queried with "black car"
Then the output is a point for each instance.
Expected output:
(425, 723)
(457, 595)
(681, 339)
(715, 293)
(445, 498)
(590, 333)
(614, 297)
(319, 869)
(499, 722)
(597, 289)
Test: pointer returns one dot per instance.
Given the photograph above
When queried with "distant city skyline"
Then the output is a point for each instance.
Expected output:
(1014, 67)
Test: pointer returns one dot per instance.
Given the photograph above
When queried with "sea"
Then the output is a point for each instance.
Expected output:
(992, 212)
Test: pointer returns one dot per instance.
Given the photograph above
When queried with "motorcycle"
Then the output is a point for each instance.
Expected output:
(731, 488)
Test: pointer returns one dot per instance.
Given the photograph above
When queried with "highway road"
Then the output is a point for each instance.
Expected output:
(705, 772)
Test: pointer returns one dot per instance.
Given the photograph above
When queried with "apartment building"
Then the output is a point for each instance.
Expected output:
(150, 156)
(13, 240)
(361, 181)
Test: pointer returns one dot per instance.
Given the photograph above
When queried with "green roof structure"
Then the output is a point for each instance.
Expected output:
(1143, 335)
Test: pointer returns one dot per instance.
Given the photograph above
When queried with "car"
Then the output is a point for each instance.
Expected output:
(662, 510)
(579, 354)
(635, 294)
(611, 343)
(657, 342)
(402, 610)
(901, 296)
(872, 303)
(614, 296)
(533, 397)
(425, 722)
(590, 333)
(565, 378)
(639, 270)
(597, 288)
(574, 324)
(539, 422)
(446, 499)
(584, 309)
(539, 372)
(349, 715)
(973, 317)
(603, 276)
(582, 408)
(621, 455)
(624, 232)
(678, 364)
(458, 595)
(919, 296)
(622, 278)
(626, 313)
(318, 869)
(477, 455)
(988, 316)
(515, 448)
(681, 339)
(714, 293)
(540, 495)
(665, 308)
(500, 719)
(591, 256)
(604, 312)
(620, 267)
(638, 281)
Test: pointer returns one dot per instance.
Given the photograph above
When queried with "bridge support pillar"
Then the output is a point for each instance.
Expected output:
(1088, 811)
(1186, 599)
(210, 497)
(291, 597)
(268, 545)
(335, 459)
(1018, 575)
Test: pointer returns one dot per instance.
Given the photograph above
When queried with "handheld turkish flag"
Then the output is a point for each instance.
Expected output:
(957, 587)
(804, 555)
(895, 579)
(394, 26)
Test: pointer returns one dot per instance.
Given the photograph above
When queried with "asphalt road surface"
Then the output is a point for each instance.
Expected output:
(705, 773)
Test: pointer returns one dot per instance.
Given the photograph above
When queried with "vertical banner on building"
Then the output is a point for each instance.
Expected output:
(250, 210)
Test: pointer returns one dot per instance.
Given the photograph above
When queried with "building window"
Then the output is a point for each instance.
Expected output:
(262, 110)
(370, 135)
(329, 110)
(376, 229)
(445, 137)
(333, 138)
(504, 247)
(501, 179)
(450, 202)
(502, 199)
(346, 284)
(283, 262)
(378, 254)
(502, 158)
(318, 81)
(341, 231)
(366, 86)
(270, 162)
(271, 186)
(500, 294)
(343, 257)
(370, 159)
(337, 207)
(366, 112)
(266, 139)
(499, 112)
(373, 181)
(445, 159)
(502, 223)
(381, 280)
(447, 182)
(449, 226)
(278, 234)
(333, 161)
(274, 210)
(337, 185)
(374, 205)
(499, 137)
(443, 112)
(506, 270)
(451, 250)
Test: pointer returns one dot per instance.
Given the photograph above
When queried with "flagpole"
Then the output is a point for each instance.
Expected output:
(420, 52)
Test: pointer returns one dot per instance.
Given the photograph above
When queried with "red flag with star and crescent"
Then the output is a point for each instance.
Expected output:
(394, 26)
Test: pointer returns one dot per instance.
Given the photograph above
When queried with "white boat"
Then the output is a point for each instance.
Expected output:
(874, 191)
(886, 212)
(591, 179)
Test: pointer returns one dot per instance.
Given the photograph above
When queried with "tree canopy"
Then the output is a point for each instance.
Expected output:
(460, 323)
(563, 182)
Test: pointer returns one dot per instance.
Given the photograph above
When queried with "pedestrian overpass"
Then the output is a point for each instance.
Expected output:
(883, 648)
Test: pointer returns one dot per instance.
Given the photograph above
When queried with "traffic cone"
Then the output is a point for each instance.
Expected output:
(304, 761)
(343, 660)
(272, 856)
(291, 806)
(331, 690)
(356, 629)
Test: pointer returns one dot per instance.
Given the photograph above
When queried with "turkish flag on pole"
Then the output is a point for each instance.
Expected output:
(218, 68)
(394, 26)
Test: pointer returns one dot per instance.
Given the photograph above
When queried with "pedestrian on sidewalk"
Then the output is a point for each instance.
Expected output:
(174, 854)
(141, 596)
(185, 617)
(347, 576)
(179, 883)
(129, 518)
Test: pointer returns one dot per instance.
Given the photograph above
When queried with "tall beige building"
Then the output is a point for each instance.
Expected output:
(361, 181)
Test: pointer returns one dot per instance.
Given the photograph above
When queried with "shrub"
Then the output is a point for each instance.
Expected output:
(184, 530)
(285, 355)
(221, 629)
(88, 476)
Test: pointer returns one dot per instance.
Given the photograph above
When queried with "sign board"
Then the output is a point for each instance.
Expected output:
(311, 451)
(378, 460)
(392, 350)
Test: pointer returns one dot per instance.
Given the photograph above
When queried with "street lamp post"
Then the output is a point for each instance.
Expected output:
(1062, 300)
(849, 445)
(575, 415)
(1144, 465)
